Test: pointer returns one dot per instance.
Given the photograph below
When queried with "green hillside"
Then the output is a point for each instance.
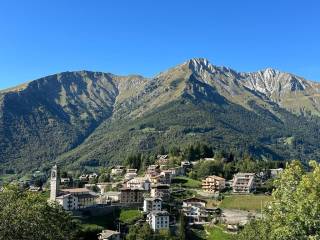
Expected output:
(96, 119)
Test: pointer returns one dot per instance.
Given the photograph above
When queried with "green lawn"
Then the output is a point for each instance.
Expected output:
(130, 216)
(244, 202)
(186, 182)
(216, 233)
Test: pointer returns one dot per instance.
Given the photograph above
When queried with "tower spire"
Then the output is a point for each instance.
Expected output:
(54, 183)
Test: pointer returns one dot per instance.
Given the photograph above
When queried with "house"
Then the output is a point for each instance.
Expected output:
(163, 178)
(130, 174)
(33, 188)
(243, 182)
(194, 202)
(213, 184)
(68, 201)
(186, 165)
(275, 172)
(117, 170)
(109, 235)
(84, 177)
(132, 170)
(156, 179)
(131, 195)
(166, 176)
(260, 178)
(112, 196)
(153, 170)
(65, 181)
(139, 183)
(194, 209)
(158, 220)
(85, 197)
(152, 204)
(176, 171)
(93, 176)
(162, 159)
(160, 191)
(104, 186)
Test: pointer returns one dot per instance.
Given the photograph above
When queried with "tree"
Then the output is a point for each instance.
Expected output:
(140, 233)
(25, 215)
(104, 177)
(38, 182)
(174, 151)
(295, 209)
(64, 174)
(190, 153)
(182, 227)
(93, 180)
(134, 161)
(162, 150)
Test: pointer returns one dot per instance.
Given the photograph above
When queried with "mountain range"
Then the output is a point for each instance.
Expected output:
(86, 118)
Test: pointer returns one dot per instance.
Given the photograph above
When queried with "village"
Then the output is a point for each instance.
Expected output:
(161, 195)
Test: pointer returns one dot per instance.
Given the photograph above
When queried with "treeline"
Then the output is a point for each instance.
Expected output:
(226, 169)
(225, 163)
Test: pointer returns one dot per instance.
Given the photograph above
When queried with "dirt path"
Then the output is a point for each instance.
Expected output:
(233, 216)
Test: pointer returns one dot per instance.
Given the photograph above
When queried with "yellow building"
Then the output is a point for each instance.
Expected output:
(213, 184)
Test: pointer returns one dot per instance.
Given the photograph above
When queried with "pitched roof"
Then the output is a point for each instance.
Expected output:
(75, 190)
(216, 177)
(194, 199)
(108, 233)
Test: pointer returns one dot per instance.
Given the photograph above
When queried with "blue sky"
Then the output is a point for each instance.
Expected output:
(42, 37)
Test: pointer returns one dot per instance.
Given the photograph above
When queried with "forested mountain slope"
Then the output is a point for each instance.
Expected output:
(91, 118)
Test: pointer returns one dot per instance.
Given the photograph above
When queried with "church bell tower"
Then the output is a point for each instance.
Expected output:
(54, 183)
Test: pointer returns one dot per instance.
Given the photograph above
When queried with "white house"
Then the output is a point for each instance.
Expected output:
(93, 176)
(158, 220)
(152, 204)
(166, 176)
(109, 235)
(162, 159)
(117, 170)
(176, 171)
(139, 183)
(194, 209)
(153, 170)
(112, 196)
(65, 180)
(275, 172)
(84, 177)
(68, 202)
(85, 197)
(194, 202)
(130, 174)
(243, 182)
(160, 191)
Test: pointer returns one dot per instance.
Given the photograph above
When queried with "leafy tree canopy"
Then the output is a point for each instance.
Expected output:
(295, 210)
(25, 216)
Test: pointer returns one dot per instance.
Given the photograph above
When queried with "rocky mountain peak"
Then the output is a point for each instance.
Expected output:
(269, 73)
(200, 65)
